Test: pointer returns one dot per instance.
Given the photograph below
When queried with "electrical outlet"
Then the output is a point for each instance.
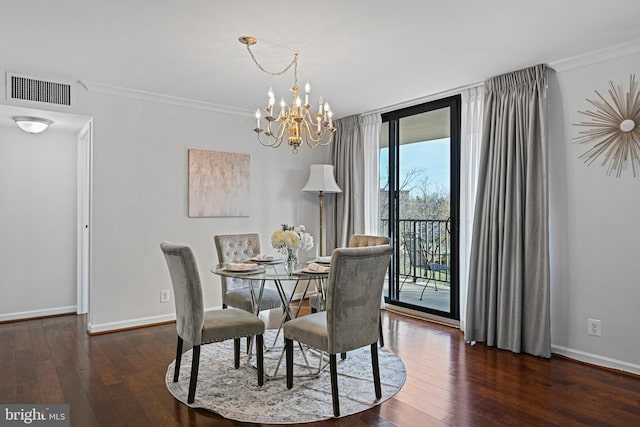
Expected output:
(593, 327)
(165, 296)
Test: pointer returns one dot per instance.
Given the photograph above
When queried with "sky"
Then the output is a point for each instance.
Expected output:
(431, 156)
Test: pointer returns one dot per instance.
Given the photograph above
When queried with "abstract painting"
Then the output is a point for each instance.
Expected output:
(218, 184)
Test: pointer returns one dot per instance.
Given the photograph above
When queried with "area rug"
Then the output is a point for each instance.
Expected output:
(235, 394)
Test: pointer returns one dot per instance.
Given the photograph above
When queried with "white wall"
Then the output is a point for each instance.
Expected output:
(37, 223)
(140, 199)
(594, 229)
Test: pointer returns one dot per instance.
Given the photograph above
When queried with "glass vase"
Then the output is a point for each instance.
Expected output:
(292, 260)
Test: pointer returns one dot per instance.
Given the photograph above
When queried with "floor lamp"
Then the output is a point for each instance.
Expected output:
(321, 179)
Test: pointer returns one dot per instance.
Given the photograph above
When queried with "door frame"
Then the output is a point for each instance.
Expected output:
(393, 117)
(83, 236)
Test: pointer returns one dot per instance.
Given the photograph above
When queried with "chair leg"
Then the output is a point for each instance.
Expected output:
(402, 284)
(195, 362)
(260, 357)
(334, 385)
(376, 370)
(176, 371)
(381, 339)
(425, 288)
(236, 353)
(288, 347)
(248, 344)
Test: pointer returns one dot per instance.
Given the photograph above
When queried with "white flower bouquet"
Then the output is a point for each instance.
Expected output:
(289, 239)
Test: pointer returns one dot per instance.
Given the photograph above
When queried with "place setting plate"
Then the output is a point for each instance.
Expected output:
(266, 259)
(242, 267)
(323, 260)
(314, 267)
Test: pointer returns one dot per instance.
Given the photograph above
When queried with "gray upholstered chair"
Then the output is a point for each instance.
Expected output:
(197, 326)
(352, 314)
(235, 291)
(363, 240)
(357, 241)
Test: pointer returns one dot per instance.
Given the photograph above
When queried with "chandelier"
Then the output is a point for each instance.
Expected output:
(295, 123)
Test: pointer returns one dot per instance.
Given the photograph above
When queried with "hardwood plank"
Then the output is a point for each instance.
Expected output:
(118, 379)
(48, 385)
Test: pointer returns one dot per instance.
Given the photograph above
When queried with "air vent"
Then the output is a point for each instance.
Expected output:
(31, 89)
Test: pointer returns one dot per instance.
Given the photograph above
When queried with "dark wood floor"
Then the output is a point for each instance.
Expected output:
(118, 380)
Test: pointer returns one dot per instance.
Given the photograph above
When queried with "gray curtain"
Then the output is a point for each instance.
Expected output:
(346, 209)
(508, 296)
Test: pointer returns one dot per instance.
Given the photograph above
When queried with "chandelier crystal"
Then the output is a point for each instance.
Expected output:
(296, 122)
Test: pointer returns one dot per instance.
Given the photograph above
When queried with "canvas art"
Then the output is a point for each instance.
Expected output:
(218, 184)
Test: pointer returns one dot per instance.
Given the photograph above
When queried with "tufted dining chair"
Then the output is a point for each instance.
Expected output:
(197, 326)
(357, 241)
(350, 321)
(363, 240)
(235, 291)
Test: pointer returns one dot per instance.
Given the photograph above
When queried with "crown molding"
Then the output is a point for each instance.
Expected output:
(164, 99)
(593, 57)
(424, 99)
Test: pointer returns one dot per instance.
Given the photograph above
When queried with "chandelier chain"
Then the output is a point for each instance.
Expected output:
(294, 63)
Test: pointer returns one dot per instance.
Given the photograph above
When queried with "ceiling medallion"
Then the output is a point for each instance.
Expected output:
(614, 129)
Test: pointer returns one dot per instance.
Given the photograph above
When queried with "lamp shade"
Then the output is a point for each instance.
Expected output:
(321, 179)
(32, 124)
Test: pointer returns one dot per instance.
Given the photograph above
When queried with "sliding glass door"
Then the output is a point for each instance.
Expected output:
(419, 170)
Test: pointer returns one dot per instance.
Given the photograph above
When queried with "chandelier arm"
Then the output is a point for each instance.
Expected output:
(309, 135)
(310, 125)
(281, 129)
(329, 141)
(269, 143)
(319, 140)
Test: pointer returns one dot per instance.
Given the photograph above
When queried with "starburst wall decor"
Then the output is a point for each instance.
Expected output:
(614, 130)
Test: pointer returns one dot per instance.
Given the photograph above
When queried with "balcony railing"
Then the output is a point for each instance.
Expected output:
(425, 248)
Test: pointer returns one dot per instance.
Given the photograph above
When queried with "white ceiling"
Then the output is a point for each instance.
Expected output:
(362, 55)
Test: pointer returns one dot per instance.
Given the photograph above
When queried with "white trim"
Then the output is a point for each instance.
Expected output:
(131, 323)
(582, 60)
(164, 99)
(83, 236)
(595, 359)
(585, 59)
(37, 313)
(424, 99)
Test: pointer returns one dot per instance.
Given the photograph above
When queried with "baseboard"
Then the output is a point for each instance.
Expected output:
(23, 315)
(595, 359)
(141, 322)
(94, 329)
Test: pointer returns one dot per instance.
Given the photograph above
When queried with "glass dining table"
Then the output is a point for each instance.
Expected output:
(304, 280)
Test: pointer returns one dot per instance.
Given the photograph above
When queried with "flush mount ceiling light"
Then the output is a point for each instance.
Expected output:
(614, 130)
(32, 124)
(295, 122)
